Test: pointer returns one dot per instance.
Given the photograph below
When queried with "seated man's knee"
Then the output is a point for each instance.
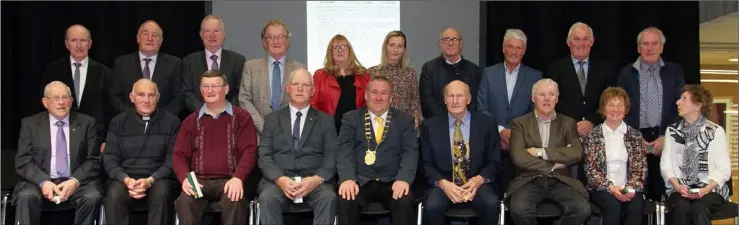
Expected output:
(434, 206)
(91, 197)
(184, 201)
(520, 206)
(326, 197)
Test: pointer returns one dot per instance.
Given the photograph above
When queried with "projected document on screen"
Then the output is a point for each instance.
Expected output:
(364, 23)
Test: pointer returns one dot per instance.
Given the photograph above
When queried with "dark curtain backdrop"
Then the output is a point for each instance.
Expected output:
(33, 36)
(615, 26)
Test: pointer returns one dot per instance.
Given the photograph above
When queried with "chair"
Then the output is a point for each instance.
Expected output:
(291, 209)
(213, 208)
(46, 206)
(137, 206)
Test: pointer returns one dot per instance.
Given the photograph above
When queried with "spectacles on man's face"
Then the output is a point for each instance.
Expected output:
(272, 38)
(340, 48)
(453, 40)
(208, 87)
(59, 98)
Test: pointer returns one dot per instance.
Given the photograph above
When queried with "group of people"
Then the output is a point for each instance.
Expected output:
(346, 136)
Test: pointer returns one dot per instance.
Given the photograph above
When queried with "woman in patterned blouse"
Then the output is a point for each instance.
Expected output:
(394, 66)
(615, 162)
(695, 161)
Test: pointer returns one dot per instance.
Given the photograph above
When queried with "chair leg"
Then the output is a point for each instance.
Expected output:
(420, 213)
(501, 219)
(336, 220)
(258, 222)
(102, 214)
(176, 219)
(4, 208)
(251, 212)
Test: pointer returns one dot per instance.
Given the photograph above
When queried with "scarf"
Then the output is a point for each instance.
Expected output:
(692, 154)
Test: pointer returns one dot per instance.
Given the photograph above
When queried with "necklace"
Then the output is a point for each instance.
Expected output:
(370, 155)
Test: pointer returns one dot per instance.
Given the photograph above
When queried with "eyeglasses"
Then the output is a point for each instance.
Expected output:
(273, 38)
(451, 40)
(58, 98)
(340, 48)
(208, 87)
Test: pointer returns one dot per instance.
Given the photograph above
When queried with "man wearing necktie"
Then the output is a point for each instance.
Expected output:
(213, 57)
(463, 168)
(58, 160)
(377, 158)
(298, 141)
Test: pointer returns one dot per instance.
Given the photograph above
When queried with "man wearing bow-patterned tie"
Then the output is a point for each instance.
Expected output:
(377, 158)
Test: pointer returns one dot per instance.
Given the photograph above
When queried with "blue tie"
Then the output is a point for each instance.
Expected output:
(276, 86)
(296, 130)
(62, 166)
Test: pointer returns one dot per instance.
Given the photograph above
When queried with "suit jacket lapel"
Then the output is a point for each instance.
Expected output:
(157, 74)
(225, 65)
(203, 61)
(504, 90)
(310, 120)
(286, 126)
(289, 67)
(74, 141)
(477, 139)
(43, 131)
(446, 144)
(137, 64)
(534, 126)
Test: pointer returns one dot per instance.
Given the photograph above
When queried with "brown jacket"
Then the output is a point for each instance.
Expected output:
(564, 148)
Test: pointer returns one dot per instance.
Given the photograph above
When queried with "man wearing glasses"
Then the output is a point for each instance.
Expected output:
(219, 145)
(58, 160)
(261, 91)
(448, 67)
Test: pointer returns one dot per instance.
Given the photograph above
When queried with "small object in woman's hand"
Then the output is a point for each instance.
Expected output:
(626, 190)
(694, 191)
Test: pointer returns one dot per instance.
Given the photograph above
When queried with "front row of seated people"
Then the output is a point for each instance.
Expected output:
(373, 159)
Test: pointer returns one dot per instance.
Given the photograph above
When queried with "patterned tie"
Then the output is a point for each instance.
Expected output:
(147, 72)
(62, 166)
(461, 161)
(77, 82)
(380, 129)
(276, 86)
(296, 130)
(214, 66)
(581, 76)
(654, 96)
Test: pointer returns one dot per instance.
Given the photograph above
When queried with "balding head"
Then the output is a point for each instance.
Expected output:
(57, 99)
(150, 37)
(456, 97)
(145, 96)
(451, 44)
(78, 41)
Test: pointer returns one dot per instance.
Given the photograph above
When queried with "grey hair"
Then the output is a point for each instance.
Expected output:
(543, 82)
(515, 34)
(56, 83)
(662, 38)
(144, 81)
(580, 24)
(296, 72)
(222, 26)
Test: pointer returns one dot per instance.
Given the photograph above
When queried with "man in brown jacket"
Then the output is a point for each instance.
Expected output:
(544, 145)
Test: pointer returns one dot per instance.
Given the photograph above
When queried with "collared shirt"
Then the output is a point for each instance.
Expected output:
(544, 130)
(649, 82)
(152, 64)
(228, 109)
(374, 120)
(53, 130)
(510, 79)
(616, 155)
(465, 127)
(585, 65)
(293, 117)
(83, 75)
(270, 68)
(210, 61)
(452, 63)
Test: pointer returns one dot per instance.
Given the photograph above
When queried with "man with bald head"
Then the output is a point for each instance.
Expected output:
(84, 76)
(214, 57)
(138, 158)
(148, 63)
(449, 66)
(58, 160)
(307, 152)
(653, 85)
(470, 175)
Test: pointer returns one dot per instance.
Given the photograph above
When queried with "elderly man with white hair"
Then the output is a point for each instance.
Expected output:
(544, 146)
(505, 92)
(653, 85)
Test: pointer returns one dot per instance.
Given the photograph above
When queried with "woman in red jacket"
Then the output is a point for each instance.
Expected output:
(340, 84)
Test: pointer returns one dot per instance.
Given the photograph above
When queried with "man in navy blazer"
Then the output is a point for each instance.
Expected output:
(505, 92)
(653, 86)
(472, 180)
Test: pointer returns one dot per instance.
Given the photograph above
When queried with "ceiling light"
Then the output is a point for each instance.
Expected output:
(720, 72)
(733, 60)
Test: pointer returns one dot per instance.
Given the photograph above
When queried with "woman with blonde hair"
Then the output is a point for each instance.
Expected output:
(340, 85)
(394, 65)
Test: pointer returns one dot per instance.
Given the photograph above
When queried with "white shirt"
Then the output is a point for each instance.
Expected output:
(617, 157)
(152, 64)
(83, 75)
(53, 129)
(510, 82)
(210, 61)
(374, 120)
(293, 117)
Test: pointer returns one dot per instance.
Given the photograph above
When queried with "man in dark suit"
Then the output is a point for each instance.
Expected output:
(475, 160)
(165, 70)
(298, 141)
(505, 93)
(544, 146)
(653, 85)
(438, 72)
(58, 160)
(378, 158)
(84, 76)
(214, 57)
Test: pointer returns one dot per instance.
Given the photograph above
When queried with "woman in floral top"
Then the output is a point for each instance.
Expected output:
(615, 162)
(394, 66)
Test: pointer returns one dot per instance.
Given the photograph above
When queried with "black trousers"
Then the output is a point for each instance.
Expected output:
(523, 202)
(28, 203)
(401, 210)
(159, 197)
(190, 210)
(655, 185)
(611, 208)
(486, 205)
(695, 212)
